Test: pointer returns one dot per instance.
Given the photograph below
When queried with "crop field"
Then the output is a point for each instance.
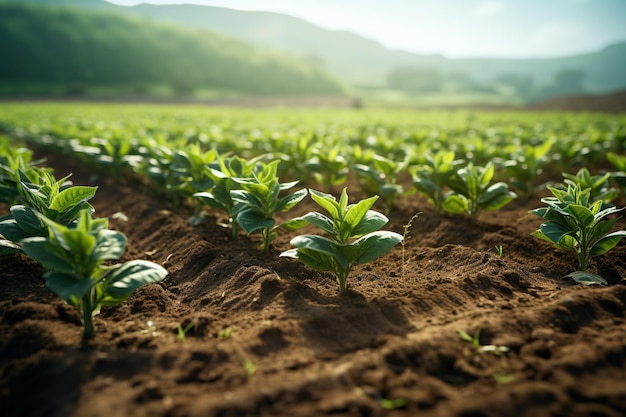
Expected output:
(305, 262)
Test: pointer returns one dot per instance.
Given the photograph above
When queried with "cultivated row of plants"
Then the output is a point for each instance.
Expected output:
(52, 222)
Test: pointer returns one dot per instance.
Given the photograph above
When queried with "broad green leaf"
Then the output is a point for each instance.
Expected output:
(121, 281)
(289, 201)
(79, 243)
(371, 222)
(49, 254)
(373, 245)
(294, 224)
(316, 243)
(357, 211)
(321, 221)
(607, 243)
(110, 245)
(71, 197)
(487, 175)
(11, 231)
(67, 286)
(247, 198)
(587, 278)
(327, 202)
(251, 221)
(319, 261)
(583, 215)
(554, 231)
(456, 204)
(26, 218)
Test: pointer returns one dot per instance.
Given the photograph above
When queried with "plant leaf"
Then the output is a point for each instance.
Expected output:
(587, 278)
(72, 196)
(251, 220)
(373, 245)
(122, 280)
(67, 286)
(607, 243)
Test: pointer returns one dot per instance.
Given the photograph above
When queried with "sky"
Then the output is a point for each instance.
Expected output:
(458, 28)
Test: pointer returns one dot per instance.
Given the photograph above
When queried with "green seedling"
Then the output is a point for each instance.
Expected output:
(353, 235)
(258, 201)
(576, 223)
(182, 332)
(75, 263)
(473, 192)
(618, 176)
(526, 164)
(250, 367)
(499, 249)
(223, 175)
(432, 178)
(475, 341)
(55, 200)
(599, 185)
(333, 167)
(380, 177)
(225, 333)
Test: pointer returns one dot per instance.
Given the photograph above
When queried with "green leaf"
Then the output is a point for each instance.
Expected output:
(11, 231)
(247, 198)
(67, 286)
(357, 211)
(289, 201)
(327, 202)
(251, 220)
(456, 203)
(587, 278)
(554, 231)
(122, 280)
(373, 245)
(71, 197)
(49, 254)
(582, 214)
(371, 222)
(26, 218)
(319, 261)
(110, 245)
(607, 243)
(321, 221)
(316, 243)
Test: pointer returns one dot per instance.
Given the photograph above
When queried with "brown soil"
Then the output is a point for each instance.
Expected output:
(392, 336)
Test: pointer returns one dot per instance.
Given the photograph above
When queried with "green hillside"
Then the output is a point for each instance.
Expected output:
(60, 50)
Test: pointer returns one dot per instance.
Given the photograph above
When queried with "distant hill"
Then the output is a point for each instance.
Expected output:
(61, 49)
(365, 63)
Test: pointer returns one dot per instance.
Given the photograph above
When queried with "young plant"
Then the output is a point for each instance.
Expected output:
(526, 164)
(58, 201)
(258, 201)
(333, 167)
(432, 178)
(353, 235)
(475, 341)
(618, 176)
(576, 223)
(380, 177)
(223, 175)
(471, 191)
(598, 185)
(74, 259)
(182, 332)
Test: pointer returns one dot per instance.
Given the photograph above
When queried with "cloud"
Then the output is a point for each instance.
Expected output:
(488, 9)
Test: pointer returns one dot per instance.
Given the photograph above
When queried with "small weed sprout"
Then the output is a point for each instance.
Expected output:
(225, 333)
(250, 367)
(475, 341)
(182, 332)
(405, 237)
(499, 249)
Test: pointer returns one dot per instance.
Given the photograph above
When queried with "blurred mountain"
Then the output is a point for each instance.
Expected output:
(67, 50)
(370, 66)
